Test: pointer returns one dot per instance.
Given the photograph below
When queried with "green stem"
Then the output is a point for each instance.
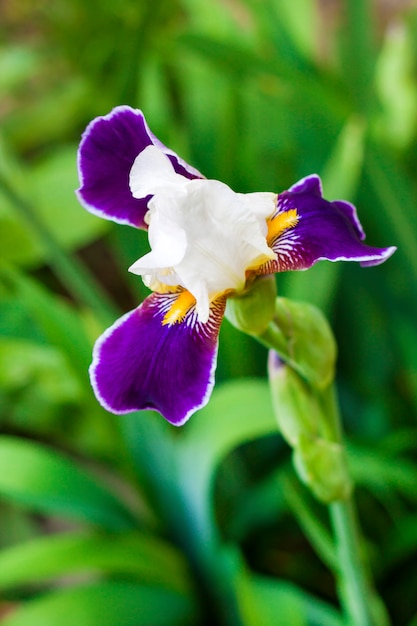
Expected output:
(354, 587)
(319, 537)
(273, 337)
(361, 604)
(69, 269)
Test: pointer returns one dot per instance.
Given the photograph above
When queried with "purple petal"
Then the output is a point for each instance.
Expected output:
(139, 363)
(310, 184)
(108, 148)
(325, 231)
(350, 212)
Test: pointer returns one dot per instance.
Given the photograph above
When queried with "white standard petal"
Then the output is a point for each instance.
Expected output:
(153, 172)
(168, 242)
(204, 237)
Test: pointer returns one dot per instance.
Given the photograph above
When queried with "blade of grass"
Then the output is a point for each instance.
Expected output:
(72, 272)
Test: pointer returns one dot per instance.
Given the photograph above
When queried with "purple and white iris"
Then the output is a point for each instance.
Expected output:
(207, 244)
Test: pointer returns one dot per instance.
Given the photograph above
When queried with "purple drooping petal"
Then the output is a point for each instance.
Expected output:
(310, 184)
(325, 231)
(107, 151)
(139, 363)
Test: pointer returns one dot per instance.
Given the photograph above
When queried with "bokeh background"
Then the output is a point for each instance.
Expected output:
(125, 520)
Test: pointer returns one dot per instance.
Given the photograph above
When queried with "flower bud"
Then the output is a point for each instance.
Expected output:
(252, 310)
(306, 340)
(321, 465)
(319, 461)
(295, 406)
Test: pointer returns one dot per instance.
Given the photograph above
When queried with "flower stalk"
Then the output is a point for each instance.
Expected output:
(360, 601)
(309, 419)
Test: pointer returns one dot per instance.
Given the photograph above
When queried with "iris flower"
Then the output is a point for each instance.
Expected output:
(207, 243)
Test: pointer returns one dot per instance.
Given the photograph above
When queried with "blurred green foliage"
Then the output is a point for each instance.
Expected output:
(124, 520)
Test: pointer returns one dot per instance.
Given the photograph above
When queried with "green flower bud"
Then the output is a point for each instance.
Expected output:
(296, 408)
(302, 336)
(319, 461)
(321, 465)
(252, 310)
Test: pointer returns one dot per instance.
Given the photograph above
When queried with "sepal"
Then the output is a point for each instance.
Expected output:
(301, 335)
(252, 310)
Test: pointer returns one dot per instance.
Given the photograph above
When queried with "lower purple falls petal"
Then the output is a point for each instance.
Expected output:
(139, 363)
(324, 231)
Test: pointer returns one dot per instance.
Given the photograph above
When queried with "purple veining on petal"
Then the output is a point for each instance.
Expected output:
(106, 154)
(325, 231)
(141, 364)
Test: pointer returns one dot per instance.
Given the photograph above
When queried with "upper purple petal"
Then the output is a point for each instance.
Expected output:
(108, 149)
(139, 363)
(325, 231)
(310, 184)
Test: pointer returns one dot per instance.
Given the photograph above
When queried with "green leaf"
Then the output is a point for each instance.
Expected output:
(397, 87)
(239, 411)
(143, 556)
(281, 26)
(72, 272)
(235, 57)
(396, 195)
(39, 478)
(59, 324)
(29, 311)
(28, 364)
(50, 114)
(358, 50)
(38, 388)
(318, 286)
(106, 604)
(340, 177)
(240, 356)
(17, 66)
(260, 505)
(286, 604)
(342, 170)
(401, 544)
(51, 185)
(413, 621)
(381, 473)
(308, 519)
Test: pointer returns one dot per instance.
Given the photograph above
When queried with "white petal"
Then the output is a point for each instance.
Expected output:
(261, 203)
(153, 172)
(168, 250)
(202, 234)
